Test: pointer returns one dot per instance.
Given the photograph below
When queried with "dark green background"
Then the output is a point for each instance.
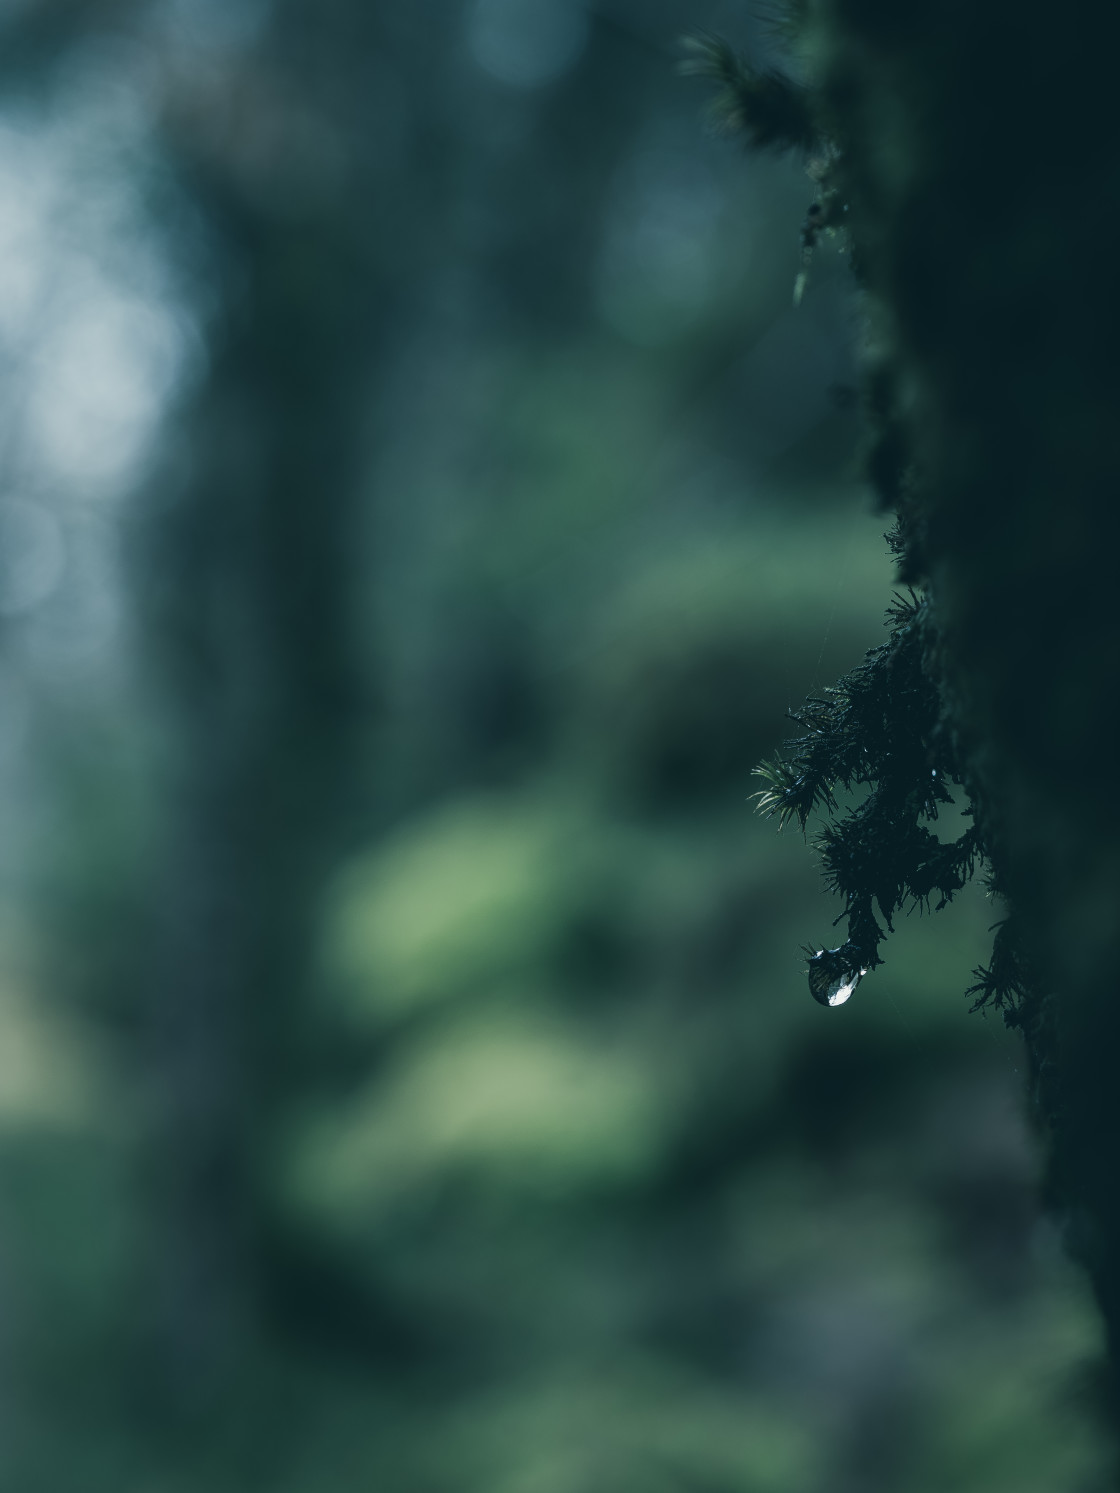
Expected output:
(408, 1079)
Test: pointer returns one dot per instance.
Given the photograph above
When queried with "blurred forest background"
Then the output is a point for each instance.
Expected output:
(420, 503)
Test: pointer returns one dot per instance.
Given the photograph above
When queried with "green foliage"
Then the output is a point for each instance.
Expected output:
(764, 106)
(881, 728)
(885, 726)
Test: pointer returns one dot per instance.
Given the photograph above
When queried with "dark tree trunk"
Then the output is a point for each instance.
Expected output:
(981, 160)
(249, 574)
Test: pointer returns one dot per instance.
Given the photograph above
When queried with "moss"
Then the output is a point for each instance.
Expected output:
(972, 149)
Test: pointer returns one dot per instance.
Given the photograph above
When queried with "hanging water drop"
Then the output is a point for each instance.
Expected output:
(833, 975)
(840, 990)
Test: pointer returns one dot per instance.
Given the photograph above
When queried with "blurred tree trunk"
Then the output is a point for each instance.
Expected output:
(255, 643)
(251, 570)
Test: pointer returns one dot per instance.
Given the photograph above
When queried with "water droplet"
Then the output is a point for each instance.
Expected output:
(840, 990)
(832, 975)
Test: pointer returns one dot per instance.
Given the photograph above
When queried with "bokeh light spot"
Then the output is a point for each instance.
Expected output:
(527, 43)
